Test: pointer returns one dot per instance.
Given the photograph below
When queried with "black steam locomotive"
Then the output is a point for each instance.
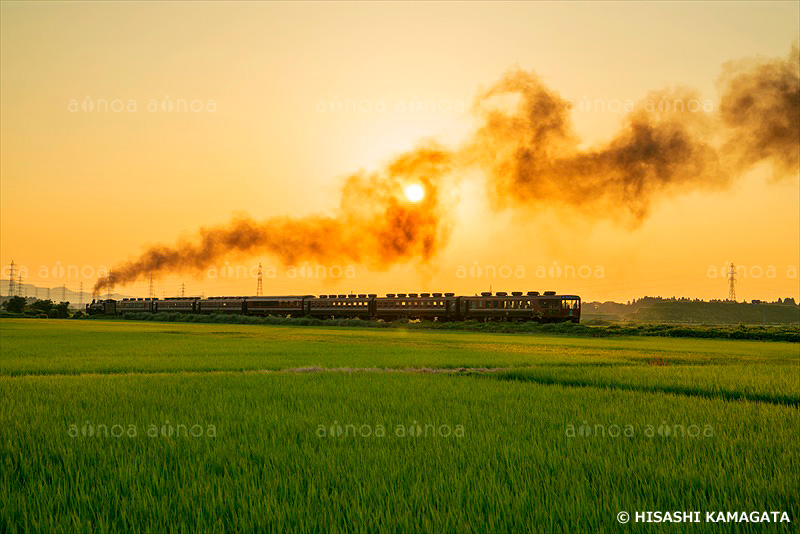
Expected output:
(500, 306)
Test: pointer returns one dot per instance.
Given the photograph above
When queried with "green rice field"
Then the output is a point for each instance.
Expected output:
(124, 426)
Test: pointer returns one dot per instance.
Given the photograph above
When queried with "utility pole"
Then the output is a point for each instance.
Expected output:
(260, 286)
(732, 283)
(11, 281)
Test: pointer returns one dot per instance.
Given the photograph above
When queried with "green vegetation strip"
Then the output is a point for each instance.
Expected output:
(74, 347)
(740, 331)
(775, 384)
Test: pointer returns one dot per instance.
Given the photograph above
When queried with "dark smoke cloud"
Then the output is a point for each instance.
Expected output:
(761, 107)
(533, 160)
(533, 157)
(375, 225)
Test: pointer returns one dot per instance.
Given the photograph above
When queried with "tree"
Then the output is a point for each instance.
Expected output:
(62, 309)
(15, 304)
(42, 305)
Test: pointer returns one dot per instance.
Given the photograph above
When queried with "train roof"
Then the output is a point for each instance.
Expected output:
(270, 297)
(485, 294)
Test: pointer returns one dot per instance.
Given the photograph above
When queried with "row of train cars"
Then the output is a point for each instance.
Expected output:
(500, 306)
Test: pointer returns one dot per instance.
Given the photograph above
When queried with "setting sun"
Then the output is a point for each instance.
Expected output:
(415, 192)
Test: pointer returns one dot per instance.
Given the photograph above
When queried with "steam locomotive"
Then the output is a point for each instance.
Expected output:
(500, 306)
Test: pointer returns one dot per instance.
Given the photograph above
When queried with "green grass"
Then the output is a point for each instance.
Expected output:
(70, 347)
(524, 463)
(588, 328)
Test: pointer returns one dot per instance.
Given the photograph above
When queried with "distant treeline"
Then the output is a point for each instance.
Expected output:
(598, 329)
(42, 309)
(658, 310)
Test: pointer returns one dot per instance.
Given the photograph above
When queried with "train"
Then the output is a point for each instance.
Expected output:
(500, 306)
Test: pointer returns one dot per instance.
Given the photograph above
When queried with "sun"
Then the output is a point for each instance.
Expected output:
(414, 192)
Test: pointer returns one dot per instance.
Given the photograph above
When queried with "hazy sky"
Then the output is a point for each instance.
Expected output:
(264, 135)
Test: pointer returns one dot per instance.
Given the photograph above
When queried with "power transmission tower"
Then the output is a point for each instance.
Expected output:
(110, 284)
(80, 297)
(732, 283)
(63, 292)
(48, 293)
(20, 289)
(260, 286)
(11, 281)
(152, 291)
(183, 290)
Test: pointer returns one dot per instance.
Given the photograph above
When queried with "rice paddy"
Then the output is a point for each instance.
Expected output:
(148, 427)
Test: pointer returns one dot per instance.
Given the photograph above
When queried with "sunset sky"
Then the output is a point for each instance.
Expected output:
(290, 98)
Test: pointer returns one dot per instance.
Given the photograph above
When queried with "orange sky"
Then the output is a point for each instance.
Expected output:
(90, 188)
